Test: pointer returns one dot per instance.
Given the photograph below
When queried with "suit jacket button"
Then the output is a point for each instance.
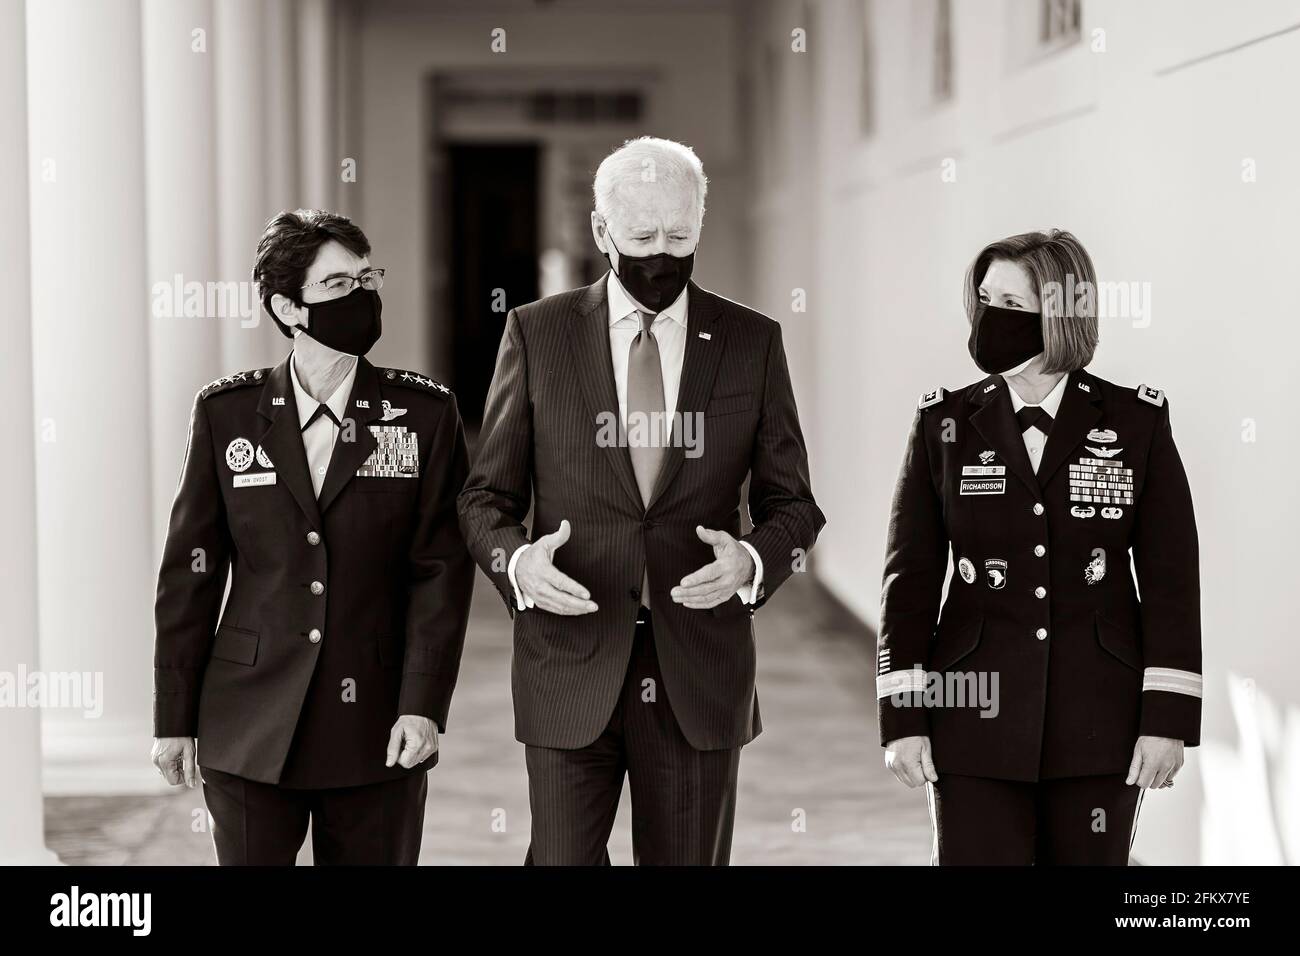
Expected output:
(1041, 633)
(313, 538)
(314, 635)
(1040, 592)
(1038, 508)
(1040, 550)
(317, 588)
(634, 594)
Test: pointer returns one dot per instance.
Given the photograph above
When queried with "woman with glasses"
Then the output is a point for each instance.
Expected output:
(325, 490)
(1061, 676)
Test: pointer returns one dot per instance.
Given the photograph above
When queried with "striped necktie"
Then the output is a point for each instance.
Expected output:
(647, 438)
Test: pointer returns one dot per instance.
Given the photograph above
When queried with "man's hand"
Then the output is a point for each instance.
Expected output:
(1156, 761)
(412, 741)
(545, 586)
(715, 583)
(909, 759)
(174, 758)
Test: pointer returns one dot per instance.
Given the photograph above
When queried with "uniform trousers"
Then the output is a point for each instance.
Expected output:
(683, 799)
(1065, 821)
(261, 824)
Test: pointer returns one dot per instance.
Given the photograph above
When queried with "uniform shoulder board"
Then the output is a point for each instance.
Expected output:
(230, 382)
(1152, 396)
(932, 398)
(397, 376)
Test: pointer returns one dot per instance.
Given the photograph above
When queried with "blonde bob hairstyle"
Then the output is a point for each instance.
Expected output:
(1062, 271)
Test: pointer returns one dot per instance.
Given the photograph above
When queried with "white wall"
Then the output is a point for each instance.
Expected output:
(1142, 158)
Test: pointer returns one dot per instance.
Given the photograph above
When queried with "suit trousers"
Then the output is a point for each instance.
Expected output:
(262, 824)
(1065, 821)
(683, 799)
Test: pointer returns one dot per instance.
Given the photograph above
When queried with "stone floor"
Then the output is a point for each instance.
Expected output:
(817, 763)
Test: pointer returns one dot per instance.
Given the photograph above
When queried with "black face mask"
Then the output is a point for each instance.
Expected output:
(1003, 338)
(350, 324)
(654, 281)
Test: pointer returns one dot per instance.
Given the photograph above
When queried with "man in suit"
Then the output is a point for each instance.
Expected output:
(629, 414)
(324, 489)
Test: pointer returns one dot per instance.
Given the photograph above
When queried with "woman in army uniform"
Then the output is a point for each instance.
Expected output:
(1044, 697)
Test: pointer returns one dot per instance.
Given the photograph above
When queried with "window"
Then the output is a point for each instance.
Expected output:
(1058, 22)
(1040, 28)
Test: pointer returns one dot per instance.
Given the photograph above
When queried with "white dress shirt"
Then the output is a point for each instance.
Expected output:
(669, 330)
(1035, 439)
(318, 440)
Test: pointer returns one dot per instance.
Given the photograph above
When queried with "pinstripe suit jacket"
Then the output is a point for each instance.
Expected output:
(539, 442)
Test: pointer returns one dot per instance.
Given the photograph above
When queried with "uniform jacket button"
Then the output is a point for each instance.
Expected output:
(314, 635)
(1040, 592)
(1038, 509)
(313, 538)
(1041, 633)
(1040, 550)
(318, 588)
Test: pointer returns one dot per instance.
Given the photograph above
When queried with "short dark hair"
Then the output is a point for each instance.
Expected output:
(1055, 260)
(288, 247)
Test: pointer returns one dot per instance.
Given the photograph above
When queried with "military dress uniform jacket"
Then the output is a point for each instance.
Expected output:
(1042, 598)
(344, 612)
(541, 441)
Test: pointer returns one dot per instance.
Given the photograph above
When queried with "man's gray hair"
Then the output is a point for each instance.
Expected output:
(648, 159)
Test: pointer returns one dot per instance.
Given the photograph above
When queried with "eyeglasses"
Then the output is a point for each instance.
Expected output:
(336, 287)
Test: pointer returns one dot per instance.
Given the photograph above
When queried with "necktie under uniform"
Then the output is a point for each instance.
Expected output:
(1034, 416)
(647, 443)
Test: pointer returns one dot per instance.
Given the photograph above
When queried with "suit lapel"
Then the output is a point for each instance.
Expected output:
(699, 367)
(996, 422)
(355, 441)
(283, 440)
(590, 339)
(1080, 410)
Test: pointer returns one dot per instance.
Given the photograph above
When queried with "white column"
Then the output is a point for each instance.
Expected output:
(238, 45)
(180, 144)
(281, 151)
(347, 23)
(317, 103)
(22, 820)
(90, 308)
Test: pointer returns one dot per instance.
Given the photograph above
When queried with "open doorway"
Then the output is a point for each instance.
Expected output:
(510, 157)
(492, 256)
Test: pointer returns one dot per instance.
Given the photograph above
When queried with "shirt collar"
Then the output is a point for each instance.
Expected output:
(621, 305)
(1050, 404)
(337, 402)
